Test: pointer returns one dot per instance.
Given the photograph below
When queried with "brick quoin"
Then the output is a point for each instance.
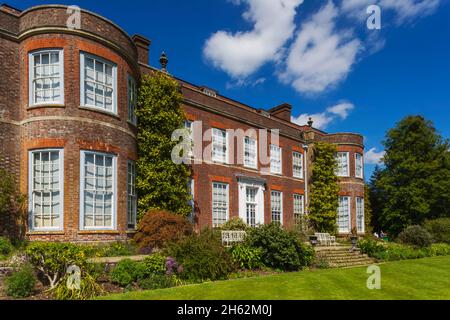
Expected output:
(74, 128)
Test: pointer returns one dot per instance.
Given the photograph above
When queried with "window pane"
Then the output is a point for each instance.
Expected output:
(297, 163)
(275, 159)
(98, 190)
(219, 152)
(276, 206)
(46, 81)
(219, 204)
(344, 214)
(98, 83)
(46, 207)
(131, 196)
(250, 152)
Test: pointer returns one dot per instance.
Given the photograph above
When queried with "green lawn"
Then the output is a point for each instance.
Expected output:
(410, 279)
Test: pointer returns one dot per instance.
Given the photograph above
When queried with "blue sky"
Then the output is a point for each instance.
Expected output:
(318, 56)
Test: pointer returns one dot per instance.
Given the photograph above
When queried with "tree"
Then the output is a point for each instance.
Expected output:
(160, 183)
(415, 183)
(376, 196)
(324, 189)
(367, 210)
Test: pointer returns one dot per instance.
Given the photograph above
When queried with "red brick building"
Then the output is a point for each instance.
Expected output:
(68, 134)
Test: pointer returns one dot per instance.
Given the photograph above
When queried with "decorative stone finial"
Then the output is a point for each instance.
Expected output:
(310, 122)
(164, 61)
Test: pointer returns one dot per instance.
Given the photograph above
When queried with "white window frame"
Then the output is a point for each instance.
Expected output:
(216, 223)
(272, 159)
(302, 206)
(83, 56)
(114, 188)
(131, 197)
(338, 159)
(189, 125)
(361, 160)
(301, 165)
(192, 201)
(31, 96)
(281, 206)
(132, 104)
(348, 214)
(250, 162)
(213, 158)
(31, 188)
(363, 228)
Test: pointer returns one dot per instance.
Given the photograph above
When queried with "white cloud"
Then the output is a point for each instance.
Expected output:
(321, 55)
(374, 157)
(242, 53)
(406, 10)
(342, 110)
(323, 119)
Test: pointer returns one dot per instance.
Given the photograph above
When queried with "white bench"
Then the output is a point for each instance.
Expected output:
(231, 237)
(325, 239)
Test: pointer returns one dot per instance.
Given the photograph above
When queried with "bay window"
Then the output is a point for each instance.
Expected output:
(359, 165)
(46, 83)
(343, 219)
(98, 83)
(131, 195)
(97, 191)
(46, 189)
(360, 214)
(342, 164)
(132, 100)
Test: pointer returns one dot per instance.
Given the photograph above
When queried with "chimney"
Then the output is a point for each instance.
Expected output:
(283, 112)
(142, 44)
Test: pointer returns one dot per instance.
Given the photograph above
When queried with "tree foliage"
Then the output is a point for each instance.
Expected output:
(324, 189)
(367, 210)
(415, 182)
(161, 184)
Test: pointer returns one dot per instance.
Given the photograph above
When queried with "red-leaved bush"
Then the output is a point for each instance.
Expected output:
(158, 227)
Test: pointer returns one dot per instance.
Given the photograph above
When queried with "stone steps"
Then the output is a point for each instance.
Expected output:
(342, 257)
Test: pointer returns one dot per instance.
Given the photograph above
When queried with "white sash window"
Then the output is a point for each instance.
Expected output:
(219, 204)
(343, 219)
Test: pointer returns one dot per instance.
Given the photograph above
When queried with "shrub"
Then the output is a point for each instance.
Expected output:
(89, 289)
(5, 247)
(125, 272)
(281, 249)
(21, 283)
(246, 257)
(439, 249)
(415, 236)
(370, 246)
(152, 265)
(202, 257)
(157, 281)
(439, 229)
(117, 249)
(53, 259)
(158, 227)
(234, 224)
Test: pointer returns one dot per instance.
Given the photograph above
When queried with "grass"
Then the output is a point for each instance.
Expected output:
(422, 279)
